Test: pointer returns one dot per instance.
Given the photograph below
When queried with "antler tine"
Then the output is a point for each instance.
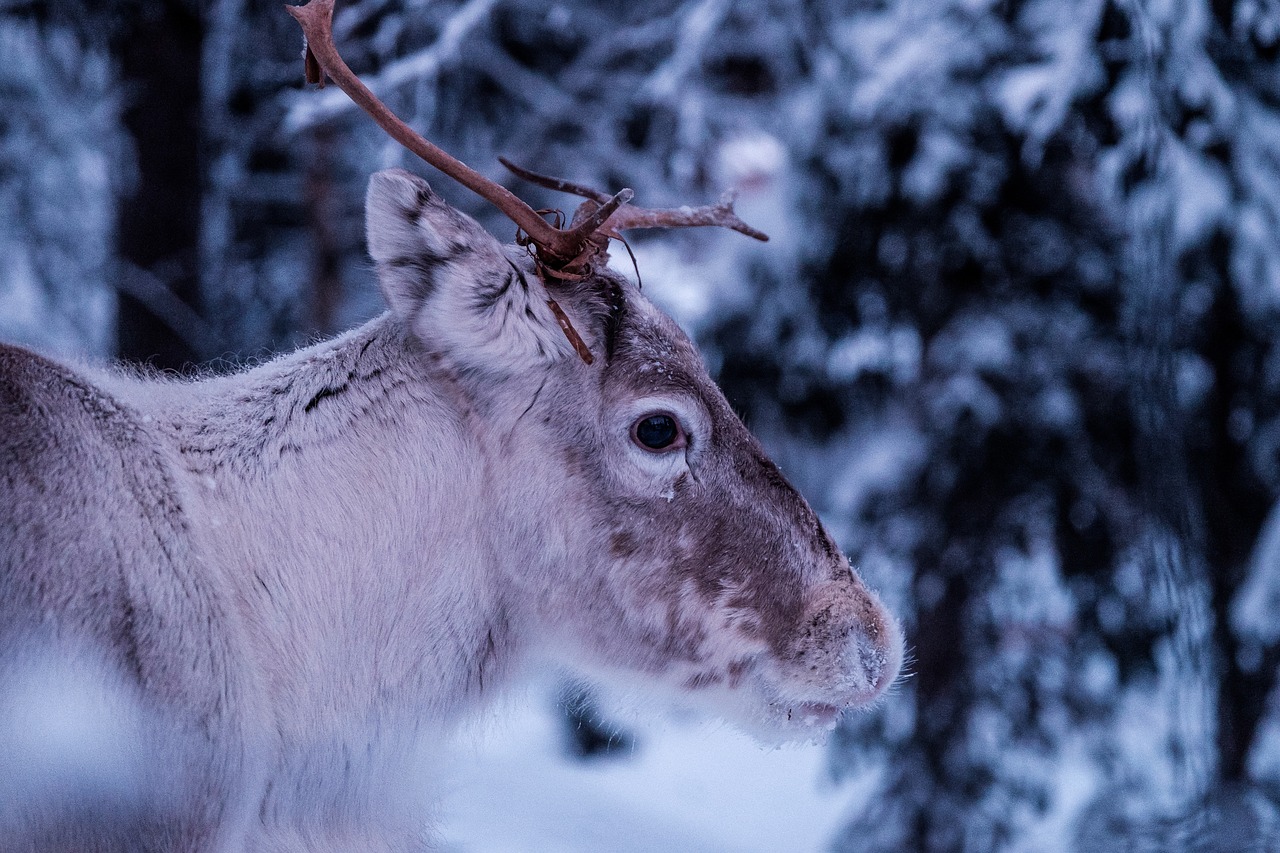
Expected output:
(557, 184)
(720, 215)
(316, 18)
(627, 217)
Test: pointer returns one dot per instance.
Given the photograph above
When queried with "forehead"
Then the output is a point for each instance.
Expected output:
(650, 352)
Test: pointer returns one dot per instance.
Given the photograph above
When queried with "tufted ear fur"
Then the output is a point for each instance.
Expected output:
(450, 281)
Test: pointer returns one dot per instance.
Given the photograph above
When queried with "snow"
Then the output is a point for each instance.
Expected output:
(66, 731)
(690, 785)
(1031, 593)
(310, 109)
(1035, 98)
(895, 353)
(1203, 190)
(58, 153)
(1075, 780)
(876, 463)
(1253, 611)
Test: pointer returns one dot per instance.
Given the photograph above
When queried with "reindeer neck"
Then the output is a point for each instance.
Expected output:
(338, 489)
(252, 424)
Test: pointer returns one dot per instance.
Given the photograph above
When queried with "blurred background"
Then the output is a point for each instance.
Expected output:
(1015, 336)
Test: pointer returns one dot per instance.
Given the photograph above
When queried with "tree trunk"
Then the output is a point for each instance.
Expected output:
(158, 224)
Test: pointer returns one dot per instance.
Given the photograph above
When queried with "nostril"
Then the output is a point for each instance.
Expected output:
(849, 644)
(864, 660)
(872, 656)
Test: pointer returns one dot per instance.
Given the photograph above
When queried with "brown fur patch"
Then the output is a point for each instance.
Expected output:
(703, 680)
(624, 544)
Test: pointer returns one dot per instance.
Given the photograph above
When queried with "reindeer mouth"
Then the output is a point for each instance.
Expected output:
(805, 716)
(818, 715)
(814, 707)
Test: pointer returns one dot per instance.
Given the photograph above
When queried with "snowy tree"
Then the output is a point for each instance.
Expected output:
(1040, 334)
(56, 222)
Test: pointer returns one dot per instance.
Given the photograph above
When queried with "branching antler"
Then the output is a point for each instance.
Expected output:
(628, 216)
(556, 247)
(570, 250)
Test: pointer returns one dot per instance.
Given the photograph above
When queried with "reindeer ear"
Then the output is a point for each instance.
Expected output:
(450, 281)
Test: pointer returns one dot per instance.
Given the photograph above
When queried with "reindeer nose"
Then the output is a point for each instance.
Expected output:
(872, 656)
(850, 630)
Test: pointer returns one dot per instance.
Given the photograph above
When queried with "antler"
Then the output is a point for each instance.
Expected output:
(628, 216)
(556, 247)
(569, 250)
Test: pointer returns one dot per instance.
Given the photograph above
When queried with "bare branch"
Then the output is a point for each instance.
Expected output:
(698, 22)
(183, 320)
(542, 97)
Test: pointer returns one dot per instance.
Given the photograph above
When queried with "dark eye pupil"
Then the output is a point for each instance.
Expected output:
(657, 431)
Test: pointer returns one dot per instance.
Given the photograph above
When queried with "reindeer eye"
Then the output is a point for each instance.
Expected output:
(656, 432)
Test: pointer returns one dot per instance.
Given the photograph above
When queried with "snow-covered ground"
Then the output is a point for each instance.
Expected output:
(690, 785)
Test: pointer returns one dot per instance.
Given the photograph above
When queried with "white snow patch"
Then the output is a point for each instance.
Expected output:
(878, 462)
(1075, 782)
(690, 786)
(670, 281)
(1258, 599)
(749, 161)
(1031, 590)
(895, 352)
(975, 342)
(1202, 193)
(69, 732)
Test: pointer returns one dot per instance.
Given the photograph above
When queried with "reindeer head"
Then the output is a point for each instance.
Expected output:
(648, 531)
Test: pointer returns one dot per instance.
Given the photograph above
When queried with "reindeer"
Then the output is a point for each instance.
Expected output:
(251, 599)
